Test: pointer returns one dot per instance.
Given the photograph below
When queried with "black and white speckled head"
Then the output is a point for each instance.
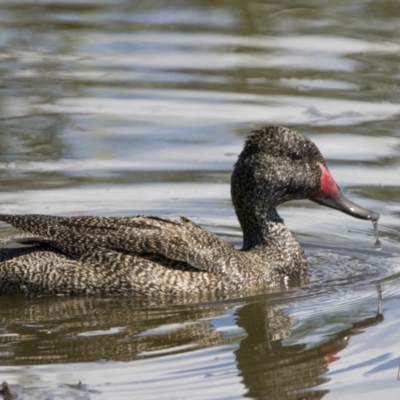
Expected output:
(276, 165)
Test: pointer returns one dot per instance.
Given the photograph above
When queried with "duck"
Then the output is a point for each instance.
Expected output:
(152, 256)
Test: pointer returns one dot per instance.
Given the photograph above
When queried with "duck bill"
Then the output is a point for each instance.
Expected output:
(343, 204)
(329, 195)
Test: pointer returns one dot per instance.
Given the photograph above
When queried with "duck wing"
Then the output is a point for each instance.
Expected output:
(38, 224)
(155, 238)
(183, 241)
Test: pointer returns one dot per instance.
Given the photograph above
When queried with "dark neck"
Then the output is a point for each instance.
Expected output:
(260, 228)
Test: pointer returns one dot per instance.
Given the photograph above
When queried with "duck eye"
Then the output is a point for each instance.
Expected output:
(295, 156)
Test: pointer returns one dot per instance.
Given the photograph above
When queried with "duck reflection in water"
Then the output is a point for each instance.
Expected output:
(272, 370)
(269, 367)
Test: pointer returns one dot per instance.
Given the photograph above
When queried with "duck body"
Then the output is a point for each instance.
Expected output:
(146, 255)
(137, 256)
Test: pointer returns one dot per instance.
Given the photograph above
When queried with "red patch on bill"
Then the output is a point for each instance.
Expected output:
(328, 187)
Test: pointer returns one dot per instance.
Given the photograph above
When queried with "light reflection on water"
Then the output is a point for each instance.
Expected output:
(121, 109)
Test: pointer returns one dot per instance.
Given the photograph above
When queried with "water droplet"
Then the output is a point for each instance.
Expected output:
(378, 244)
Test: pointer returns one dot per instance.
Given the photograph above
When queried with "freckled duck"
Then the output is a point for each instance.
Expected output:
(151, 256)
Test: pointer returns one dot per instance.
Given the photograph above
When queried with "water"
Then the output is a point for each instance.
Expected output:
(378, 244)
(122, 108)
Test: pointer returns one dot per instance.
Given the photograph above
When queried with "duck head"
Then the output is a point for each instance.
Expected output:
(278, 164)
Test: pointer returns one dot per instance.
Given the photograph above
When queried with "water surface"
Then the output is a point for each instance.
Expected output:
(123, 108)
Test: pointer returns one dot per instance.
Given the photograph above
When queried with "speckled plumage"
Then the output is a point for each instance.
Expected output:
(153, 256)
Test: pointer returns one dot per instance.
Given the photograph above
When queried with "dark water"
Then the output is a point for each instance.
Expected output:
(122, 108)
